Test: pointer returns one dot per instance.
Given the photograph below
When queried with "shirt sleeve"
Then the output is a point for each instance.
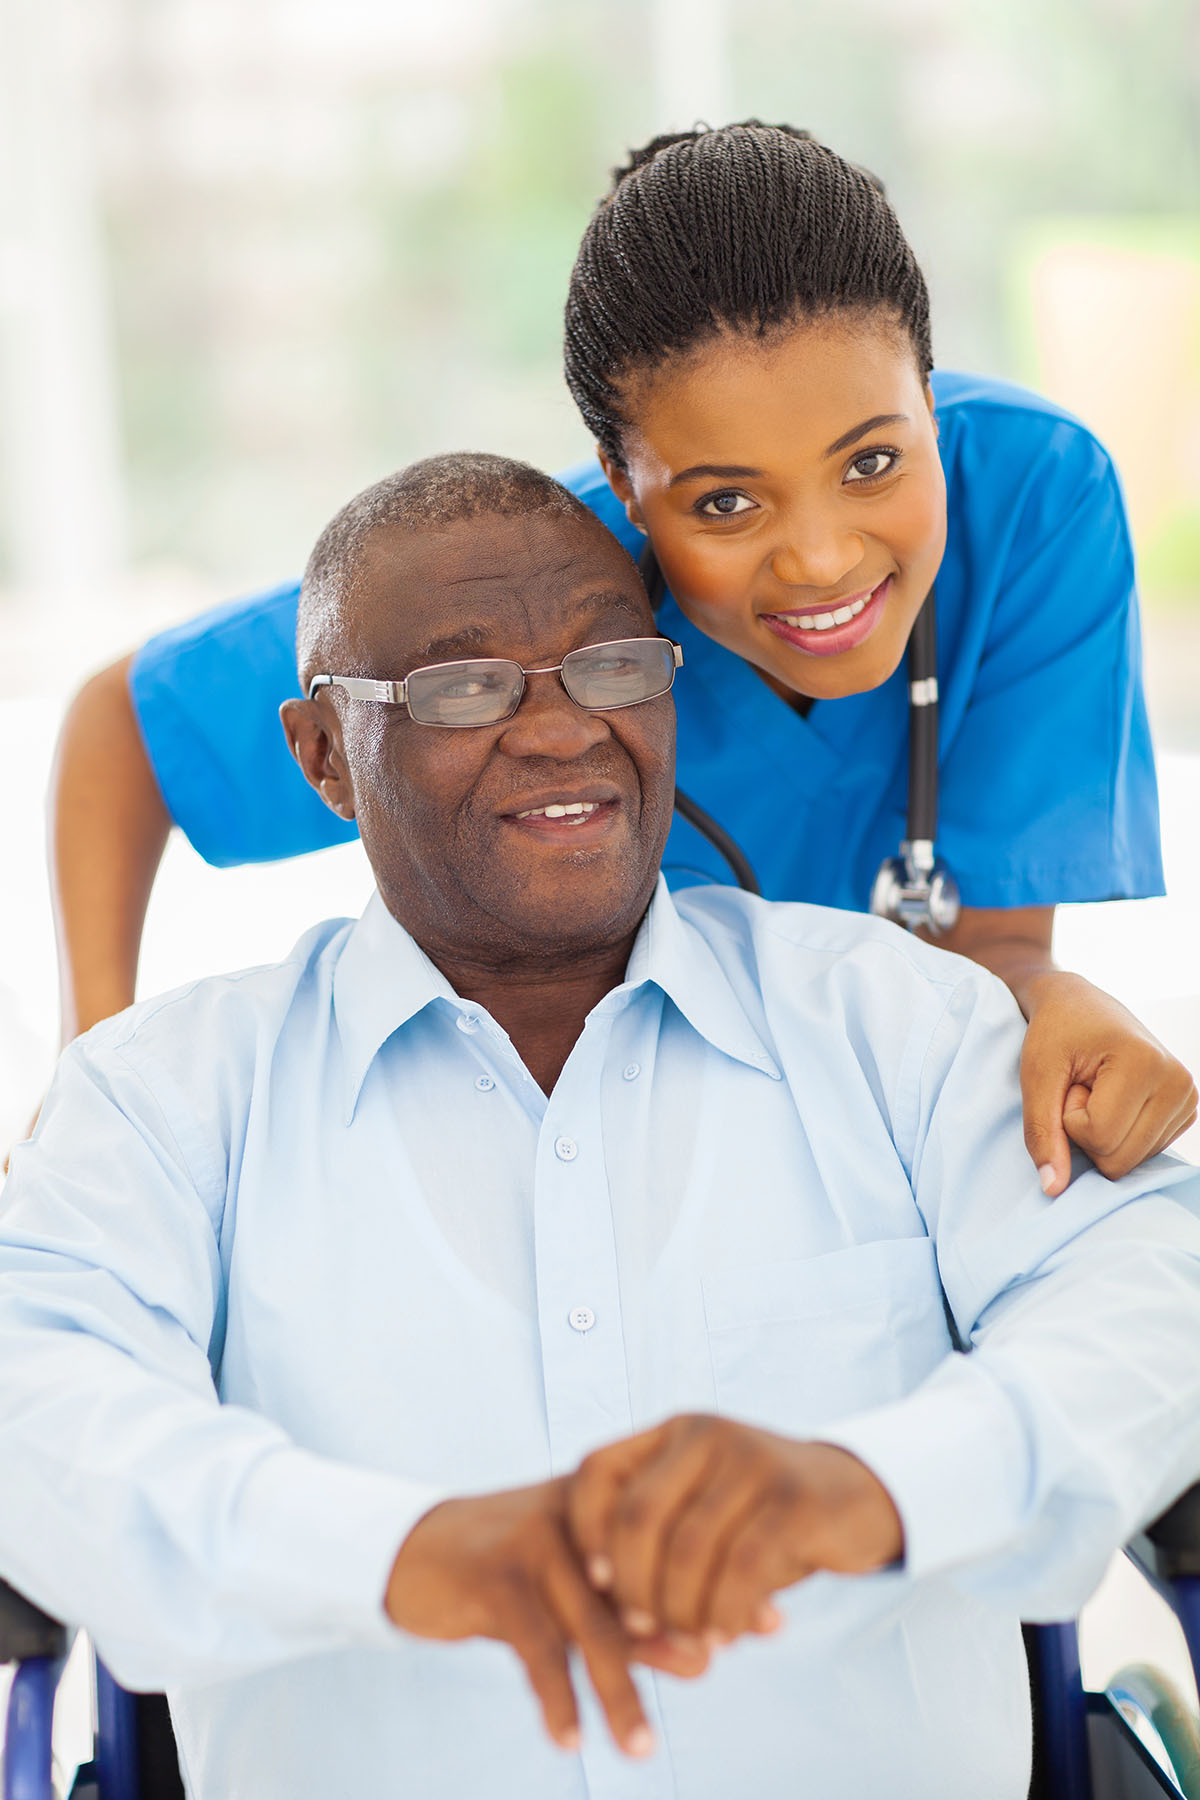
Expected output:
(1048, 790)
(1073, 1417)
(196, 1540)
(207, 696)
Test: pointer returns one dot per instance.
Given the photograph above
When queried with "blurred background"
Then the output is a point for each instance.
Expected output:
(255, 254)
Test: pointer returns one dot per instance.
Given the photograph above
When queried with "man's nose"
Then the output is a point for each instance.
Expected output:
(815, 552)
(548, 722)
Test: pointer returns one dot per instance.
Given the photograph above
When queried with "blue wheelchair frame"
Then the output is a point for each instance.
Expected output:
(1085, 1747)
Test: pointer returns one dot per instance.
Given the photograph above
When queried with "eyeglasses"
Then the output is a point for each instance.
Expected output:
(486, 690)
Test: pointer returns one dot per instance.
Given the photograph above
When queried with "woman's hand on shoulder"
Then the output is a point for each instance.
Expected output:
(1093, 1075)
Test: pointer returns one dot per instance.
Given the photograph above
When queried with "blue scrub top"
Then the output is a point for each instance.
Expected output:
(1047, 772)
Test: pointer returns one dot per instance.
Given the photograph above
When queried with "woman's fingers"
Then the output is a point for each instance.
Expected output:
(1114, 1103)
(1124, 1121)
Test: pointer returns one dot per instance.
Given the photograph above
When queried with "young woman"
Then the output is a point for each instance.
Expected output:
(748, 341)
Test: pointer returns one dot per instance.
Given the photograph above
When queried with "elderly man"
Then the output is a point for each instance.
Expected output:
(319, 1283)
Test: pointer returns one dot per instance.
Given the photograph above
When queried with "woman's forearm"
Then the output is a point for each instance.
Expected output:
(1014, 944)
(107, 829)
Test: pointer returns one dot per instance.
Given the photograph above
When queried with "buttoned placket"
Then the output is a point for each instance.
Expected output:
(583, 1344)
(579, 1306)
(497, 1060)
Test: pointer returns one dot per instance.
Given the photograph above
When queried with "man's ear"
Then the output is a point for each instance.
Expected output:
(312, 739)
(622, 487)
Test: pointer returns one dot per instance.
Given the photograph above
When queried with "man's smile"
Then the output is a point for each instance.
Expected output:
(565, 815)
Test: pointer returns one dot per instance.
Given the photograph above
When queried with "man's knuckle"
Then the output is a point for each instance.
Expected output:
(632, 1512)
(693, 1428)
(783, 1490)
(590, 1469)
(743, 1558)
(687, 1542)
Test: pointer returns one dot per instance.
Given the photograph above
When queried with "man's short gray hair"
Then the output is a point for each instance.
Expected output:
(438, 491)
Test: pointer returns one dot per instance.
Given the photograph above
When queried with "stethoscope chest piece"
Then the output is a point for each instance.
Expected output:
(912, 892)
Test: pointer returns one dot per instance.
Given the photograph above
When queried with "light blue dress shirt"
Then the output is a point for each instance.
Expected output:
(297, 1252)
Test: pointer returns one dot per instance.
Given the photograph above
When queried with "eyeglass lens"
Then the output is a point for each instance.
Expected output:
(622, 674)
(599, 677)
(465, 693)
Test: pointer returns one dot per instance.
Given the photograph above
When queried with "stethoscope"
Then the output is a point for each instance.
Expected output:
(914, 888)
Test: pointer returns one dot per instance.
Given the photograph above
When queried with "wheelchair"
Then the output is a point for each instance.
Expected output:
(1136, 1740)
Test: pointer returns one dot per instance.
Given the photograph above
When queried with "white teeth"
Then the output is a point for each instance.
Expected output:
(825, 621)
(568, 809)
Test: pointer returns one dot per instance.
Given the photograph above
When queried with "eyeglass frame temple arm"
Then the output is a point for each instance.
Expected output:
(360, 687)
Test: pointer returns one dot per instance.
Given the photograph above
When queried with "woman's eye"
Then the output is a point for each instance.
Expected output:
(872, 464)
(724, 506)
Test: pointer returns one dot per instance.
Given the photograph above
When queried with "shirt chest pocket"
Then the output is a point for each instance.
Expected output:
(795, 1345)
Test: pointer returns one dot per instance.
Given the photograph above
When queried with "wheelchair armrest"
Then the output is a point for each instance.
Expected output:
(25, 1630)
(1169, 1549)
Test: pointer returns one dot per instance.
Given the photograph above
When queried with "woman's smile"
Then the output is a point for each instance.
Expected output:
(828, 630)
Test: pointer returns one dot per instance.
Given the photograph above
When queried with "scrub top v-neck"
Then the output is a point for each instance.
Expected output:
(1047, 774)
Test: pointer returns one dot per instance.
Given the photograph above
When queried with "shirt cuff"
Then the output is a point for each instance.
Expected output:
(955, 1459)
(325, 1536)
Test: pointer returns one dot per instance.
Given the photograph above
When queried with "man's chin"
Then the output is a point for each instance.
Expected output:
(573, 908)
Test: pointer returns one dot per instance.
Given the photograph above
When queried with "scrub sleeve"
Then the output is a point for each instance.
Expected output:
(207, 696)
(1047, 773)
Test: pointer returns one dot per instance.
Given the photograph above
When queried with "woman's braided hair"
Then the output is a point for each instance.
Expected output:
(752, 227)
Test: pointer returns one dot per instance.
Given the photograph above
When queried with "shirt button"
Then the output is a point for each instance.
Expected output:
(566, 1150)
(631, 1071)
(467, 1022)
(581, 1318)
(484, 1083)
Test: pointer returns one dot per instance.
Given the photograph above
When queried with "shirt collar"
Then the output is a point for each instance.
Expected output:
(383, 979)
(673, 954)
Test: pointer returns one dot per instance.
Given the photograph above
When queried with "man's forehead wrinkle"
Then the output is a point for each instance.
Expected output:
(482, 587)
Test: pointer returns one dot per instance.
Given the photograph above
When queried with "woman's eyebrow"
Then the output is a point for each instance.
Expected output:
(722, 472)
(856, 431)
(740, 472)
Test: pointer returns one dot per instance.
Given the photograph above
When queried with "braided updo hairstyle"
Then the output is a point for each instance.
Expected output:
(748, 227)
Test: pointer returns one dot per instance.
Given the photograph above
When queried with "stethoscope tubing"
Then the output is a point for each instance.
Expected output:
(923, 726)
(922, 802)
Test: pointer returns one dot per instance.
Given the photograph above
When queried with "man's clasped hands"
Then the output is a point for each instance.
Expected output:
(659, 1549)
